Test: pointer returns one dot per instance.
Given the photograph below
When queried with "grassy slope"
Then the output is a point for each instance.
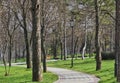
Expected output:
(23, 75)
(88, 65)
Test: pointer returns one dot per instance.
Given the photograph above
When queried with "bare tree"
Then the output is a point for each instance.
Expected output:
(43, 35)
(22, 12)
(9, 25)
(36, 41)
(97, 40)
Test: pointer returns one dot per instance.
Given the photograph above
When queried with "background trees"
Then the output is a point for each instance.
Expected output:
(93, 20)
(22, 13)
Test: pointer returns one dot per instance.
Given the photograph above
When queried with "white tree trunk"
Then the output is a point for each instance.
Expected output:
(84, 48)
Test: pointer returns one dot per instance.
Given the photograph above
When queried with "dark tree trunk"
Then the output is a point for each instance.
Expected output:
(10, 51)
(43, 49)
(105, 44)
(75, 46)
(55, 48)
(117, 41)
(28, 59)
(61, 48)
(16, 56)
(4, 60)
(23, 53)
(90, 48)
(19, 52)
(72, 49)
(36, 41)
(44, 55)
(43, 39)
(97, 41)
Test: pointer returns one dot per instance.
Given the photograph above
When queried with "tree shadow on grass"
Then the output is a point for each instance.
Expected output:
(109, 80)
(78, 63)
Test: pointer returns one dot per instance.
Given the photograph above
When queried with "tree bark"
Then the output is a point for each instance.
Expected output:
(97, 41)
(16, 55)
(72, 48)
(43, 38)
(85, 40)
(28, 58)
(61, 48)
(55, 48)
(10, 50)
(44, 55)
(36, 41)
(117, 41)
(64, 25)
(75, 46)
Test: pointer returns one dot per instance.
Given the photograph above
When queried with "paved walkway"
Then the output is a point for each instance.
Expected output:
(69, 76)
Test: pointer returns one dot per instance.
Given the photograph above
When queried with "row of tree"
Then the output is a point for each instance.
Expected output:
(36, 28)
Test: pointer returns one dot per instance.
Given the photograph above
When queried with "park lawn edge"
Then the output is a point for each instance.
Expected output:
(106, 74)
(23, 75)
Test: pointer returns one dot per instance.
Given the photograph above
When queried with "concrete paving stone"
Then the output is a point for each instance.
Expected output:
(69, 76)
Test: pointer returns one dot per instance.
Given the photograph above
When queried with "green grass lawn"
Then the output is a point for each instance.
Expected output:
(106, 74)
(23, 75)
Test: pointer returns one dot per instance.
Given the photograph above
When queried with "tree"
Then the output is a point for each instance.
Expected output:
(85, 39)
(117, 40)
(97, 41)
(36, 41)
(64, 25)
(9, 25)
(23, 7)
(43, 37)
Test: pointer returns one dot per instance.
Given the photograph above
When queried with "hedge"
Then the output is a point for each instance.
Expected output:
(107, 55)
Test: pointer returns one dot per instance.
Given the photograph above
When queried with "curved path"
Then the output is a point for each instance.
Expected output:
(69, 76)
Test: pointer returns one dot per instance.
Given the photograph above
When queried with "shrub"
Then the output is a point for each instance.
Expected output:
(107, 55)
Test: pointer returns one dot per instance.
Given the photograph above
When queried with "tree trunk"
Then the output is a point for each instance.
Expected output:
(43, 49)
(84, 48)
(65, 48)
(75, 46)
(16, 56)
(117, 41)
(44, 55)
(90, 49)
(83, 51)
(10, 51)
(23, 53)
(28, 59)
(72, 48)
(19, 52)
(24, 26)
(36, 41)
(4, 60)
(97, 41)
(61, 48)
(64, 25)
(43, 39)
(55, 48)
